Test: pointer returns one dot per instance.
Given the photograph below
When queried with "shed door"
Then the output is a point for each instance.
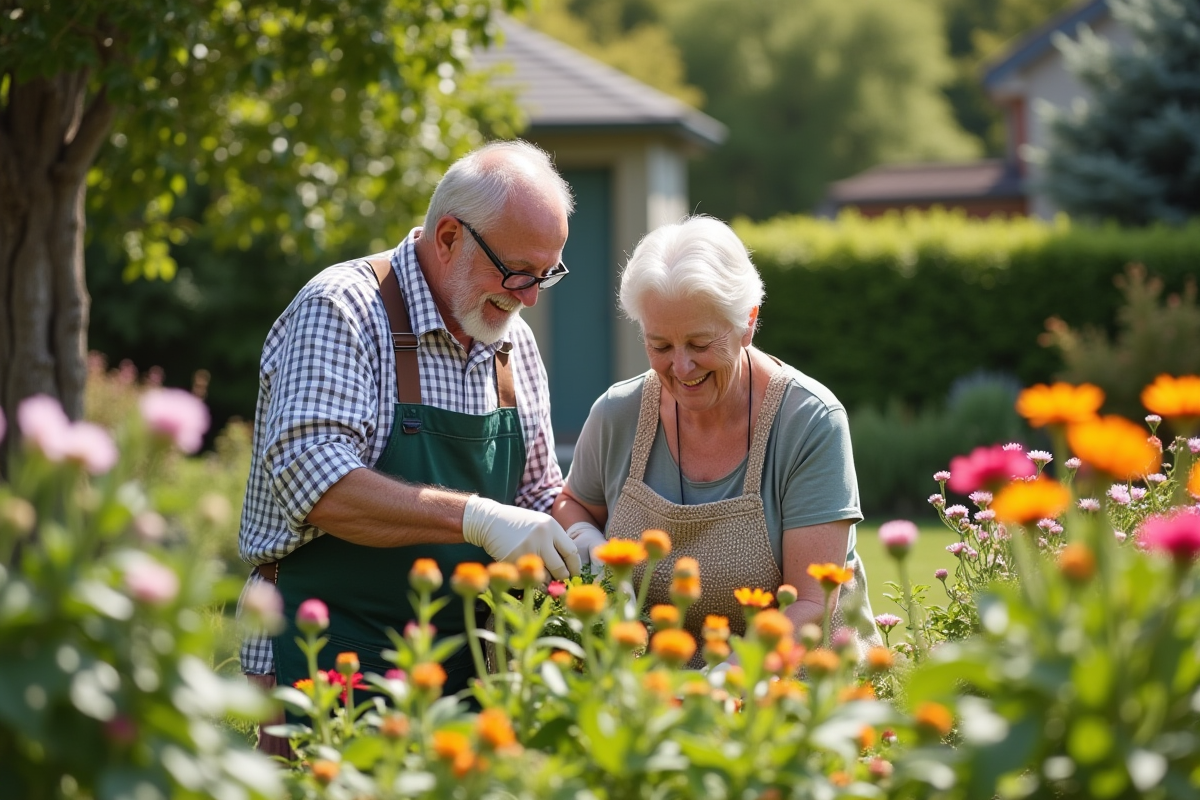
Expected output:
(581, 316)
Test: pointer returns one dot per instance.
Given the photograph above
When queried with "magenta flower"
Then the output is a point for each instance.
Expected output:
(151, 582)
(988, 467)
(176, 415)
(898, 536)
(43, 425)
(395, 675)
(940, 574)
(1073, 463)
(556, 589)
(1089, 504)
(887, 621)
(1176, 534)
(312, 616)
(941, 476)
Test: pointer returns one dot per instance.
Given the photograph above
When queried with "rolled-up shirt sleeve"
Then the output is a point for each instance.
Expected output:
(323, 408)
(542, 480)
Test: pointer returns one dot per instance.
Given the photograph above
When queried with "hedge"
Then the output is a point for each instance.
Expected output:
(899, 307)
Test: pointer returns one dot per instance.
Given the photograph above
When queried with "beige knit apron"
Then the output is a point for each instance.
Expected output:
(729, 538)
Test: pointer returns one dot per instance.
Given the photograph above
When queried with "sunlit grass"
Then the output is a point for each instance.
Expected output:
(927, 555)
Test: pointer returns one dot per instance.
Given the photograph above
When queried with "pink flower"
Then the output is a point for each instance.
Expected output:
(1120, 536)
(988, 467)
(898, 536)
(264, 605)
(1119, 494)
(936, 500)
(1153, 419)
(940, 574)
(150, 527)
(176, 415)
(43, 425)
(1194, 444)
(151, 582)
(980, 499)
(943, 475)
(987, 515)
(90, 446)
(983, 535)
(556, 589)
(1012, 447)
(1, 424)
(1073, 463)
(1177, 534)
(1040, 457)
(1155, 442)
(1137, 493)
(312, 616)
(880, 767)
(887, 621)
(956, 549)
(395, 675)
(1089, 504)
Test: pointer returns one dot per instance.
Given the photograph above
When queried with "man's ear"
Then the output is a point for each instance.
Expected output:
(446, 232)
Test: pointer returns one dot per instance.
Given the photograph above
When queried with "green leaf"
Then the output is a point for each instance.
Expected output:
(551, 735)
(553, 678)
(560, 643)
(444, 648)
(1090, 739)
(296, 701)
(364, 751)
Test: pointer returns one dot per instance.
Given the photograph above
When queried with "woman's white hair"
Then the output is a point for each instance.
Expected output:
(476, 188)
(699, 259)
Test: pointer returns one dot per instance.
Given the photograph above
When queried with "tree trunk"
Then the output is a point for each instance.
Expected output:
(48, 141)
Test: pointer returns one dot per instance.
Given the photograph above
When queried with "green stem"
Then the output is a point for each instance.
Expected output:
(644, 587)
(472, 639)
(915, 622)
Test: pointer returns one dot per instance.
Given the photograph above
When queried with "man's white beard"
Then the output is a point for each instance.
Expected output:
(467, 307)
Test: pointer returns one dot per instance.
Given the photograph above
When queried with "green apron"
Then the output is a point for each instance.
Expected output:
(366, 588)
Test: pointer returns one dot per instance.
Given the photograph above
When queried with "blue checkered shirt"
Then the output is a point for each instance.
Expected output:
(326, 397)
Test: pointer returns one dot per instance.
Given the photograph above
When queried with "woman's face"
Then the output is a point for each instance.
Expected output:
(697, 354)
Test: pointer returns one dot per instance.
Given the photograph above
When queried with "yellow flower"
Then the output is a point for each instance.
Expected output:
(1077, 563)
(630, 635)
(664, 616)
(621, 554)
(1061, 404)
(495, 729)
(586, 600)
(425, 575)
(1116, 446)
(657, 543)
(753, 598)
(1173, 397)
(934, 718)
(429, 675)
(532, 570)
(1025, 502)
(771, 626)
(830, 576)
(469, 579)
(673, 646)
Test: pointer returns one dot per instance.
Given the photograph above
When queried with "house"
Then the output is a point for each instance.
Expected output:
(623, 146)
(1028, 74)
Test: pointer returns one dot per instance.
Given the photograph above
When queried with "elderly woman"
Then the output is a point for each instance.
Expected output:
(742, 459)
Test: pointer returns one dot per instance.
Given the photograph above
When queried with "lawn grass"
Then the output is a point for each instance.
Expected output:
(927, 554)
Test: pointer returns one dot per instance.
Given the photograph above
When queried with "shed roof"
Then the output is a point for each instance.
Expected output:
(564, 91)
(1028, 48)
(929, 183)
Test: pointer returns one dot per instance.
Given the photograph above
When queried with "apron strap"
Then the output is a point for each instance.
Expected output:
(506, 393)
(762, 432)
(647, 427)
(404, 341)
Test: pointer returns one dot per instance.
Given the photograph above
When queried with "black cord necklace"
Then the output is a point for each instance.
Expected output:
(679, 439)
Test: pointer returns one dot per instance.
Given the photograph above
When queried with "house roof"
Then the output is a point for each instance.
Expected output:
(929, 183)
(1026, 49)
(564, 91)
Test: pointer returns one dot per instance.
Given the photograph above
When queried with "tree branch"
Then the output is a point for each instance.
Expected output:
(80, 152)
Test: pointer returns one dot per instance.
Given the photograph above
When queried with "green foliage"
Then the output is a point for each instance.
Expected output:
(311, 122)
(1130, 153)
(897, 450)
(812, 91)
(903, 305)
(1153, 338)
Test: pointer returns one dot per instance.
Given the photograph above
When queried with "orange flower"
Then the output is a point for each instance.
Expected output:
(325, 771)
(716, 650)
(305, 685)
(716, 627)
(657, 681)
(1060, 404)
(1024, 502)
(673, 646)
(841, 778)
(347, 663)
(821, 662)
(753, 598)
(771, 626)
(425, 575)
(428, 675)
(630, 635)
(1114, 445)
(621, 554)
(394, 726)
(502, 575)
(664, 616)
(563, 659)
(880, 659)
(1077, 563)
(1193, 484)
(687, 567)
(586, 600)
(863, 691)
(532, 570)
(830, 576)
(1173, 397)
(495, 729)
(657, 543)
(785, 688)
(685, 589)
(867, 737)
(469, 579)
(934, 718)
(786, 595)
(449, 745)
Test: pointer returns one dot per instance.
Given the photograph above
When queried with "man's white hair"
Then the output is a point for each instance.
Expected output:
(699, 259)
(476, 188)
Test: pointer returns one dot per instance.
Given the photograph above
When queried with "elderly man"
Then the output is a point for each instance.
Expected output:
(403, 413)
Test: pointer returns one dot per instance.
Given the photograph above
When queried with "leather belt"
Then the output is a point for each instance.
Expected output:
(269, 572)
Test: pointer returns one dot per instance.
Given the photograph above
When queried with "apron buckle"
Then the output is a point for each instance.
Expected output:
(410, 426)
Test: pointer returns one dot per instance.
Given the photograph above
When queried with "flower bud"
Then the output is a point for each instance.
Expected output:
(312, 617)
(425, 576)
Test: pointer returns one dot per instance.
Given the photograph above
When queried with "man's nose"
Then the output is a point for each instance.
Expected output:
(528, 295)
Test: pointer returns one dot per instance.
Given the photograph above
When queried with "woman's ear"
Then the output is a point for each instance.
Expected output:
(749, 337)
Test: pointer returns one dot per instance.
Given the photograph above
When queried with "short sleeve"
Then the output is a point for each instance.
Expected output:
(820, 484)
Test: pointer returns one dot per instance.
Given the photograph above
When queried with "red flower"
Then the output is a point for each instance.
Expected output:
(1177, 534)
(988, 468)
(556, 589)
(336, 678)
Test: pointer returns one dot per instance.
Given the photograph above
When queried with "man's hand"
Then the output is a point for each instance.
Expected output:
(587, 538)
(508, 532)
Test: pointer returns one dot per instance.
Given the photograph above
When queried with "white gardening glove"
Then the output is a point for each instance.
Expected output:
(508, 532)
(587, 538)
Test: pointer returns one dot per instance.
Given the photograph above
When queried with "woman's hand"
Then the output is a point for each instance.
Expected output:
(587, 538)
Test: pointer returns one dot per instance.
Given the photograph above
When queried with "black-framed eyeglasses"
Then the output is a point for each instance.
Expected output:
(513, 280)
